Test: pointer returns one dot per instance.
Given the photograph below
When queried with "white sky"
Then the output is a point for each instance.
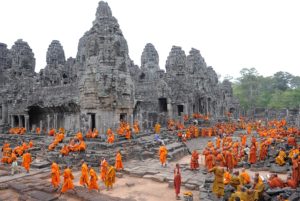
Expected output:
(230, 34)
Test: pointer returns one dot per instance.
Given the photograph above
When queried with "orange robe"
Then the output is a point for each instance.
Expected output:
(229, 161)
(157, 128)
(84, 178)
(119, 164)
(30, 144)
(79, 136)
(163, 152)
(245, 178)
(252, 158)
(209, 161)
(103, 169)
(276, 182)
(26, 161)
(93, 180)
(55, 175)
(291, 183)
(65, 150)
(68, 180)
(194, 160)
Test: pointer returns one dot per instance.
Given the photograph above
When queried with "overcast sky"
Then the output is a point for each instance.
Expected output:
(230, 34)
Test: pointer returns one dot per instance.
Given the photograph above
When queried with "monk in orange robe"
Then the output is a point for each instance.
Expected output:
(55, 175)
(128, 134)
(244, 140)
(291, 141)
(18, 150)
(275, 182)
(291, 182)
(295, 169)
(38, 130)
(111, 139)
(157, 128)
(68, 181)
(252, 158)
(65, 150)
(95, 133)
(118, 163)
(163, 152)
(27, 161)
(263, 151)
(30, 144)
(218, 142)
(52, 132)
(103, 169)
(93, 180)
(89, 134)
(244, 177)
(136, 127)
(220, 159)
(79, 136)
(228, 160)
(24, 146)
(84, 178)
(194, 160)
(210, 161)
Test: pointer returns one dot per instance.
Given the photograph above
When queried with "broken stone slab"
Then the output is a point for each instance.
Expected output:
(274, 191)
(157, 178)
(137, 173)
(190, 186)
(278, 169)
(42, 195)
(19, 187)
(40, 164)
(130, 184)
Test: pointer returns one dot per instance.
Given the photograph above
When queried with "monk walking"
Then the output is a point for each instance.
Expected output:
(68, 181)
(55, 175)
(177, 181)
(163, 152)
(93, 181)
(103, 169)
(84, 179)
(110, 177)
(218, 185)
(119, 164)
(27, 161)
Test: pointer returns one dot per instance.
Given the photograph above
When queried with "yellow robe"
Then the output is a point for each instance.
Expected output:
(280, 158)
(218, 185)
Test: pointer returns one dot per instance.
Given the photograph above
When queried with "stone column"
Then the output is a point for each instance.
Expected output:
(207, 106)
(27, 123)
(20, 121)
(4, 113)
(140, 119)
(12, 121)
(169, 107)
(55, 121)
(185, 109)
(48, 122)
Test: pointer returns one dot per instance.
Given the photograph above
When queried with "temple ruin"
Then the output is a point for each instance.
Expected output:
(103, 85)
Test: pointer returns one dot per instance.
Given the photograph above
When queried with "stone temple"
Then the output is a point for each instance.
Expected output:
(103, 85)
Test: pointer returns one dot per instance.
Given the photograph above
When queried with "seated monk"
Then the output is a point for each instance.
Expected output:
(111, 139)
(227, 177)
(5, 146)
(65, 150)
(291, 141)
(22, 131)
(109, 132)
(73, 145)
(95, 133)
(280, 159)
(291, 182)
(6, 155)
(79, 136)
(38, 130)
(89, 134)
(81, 146)
(52, 146)
(12, 158)
(59, 137)
(244, 177)
(25, 146)
(18, 150)
(275, 181)
(30, 144)
(235, 180)
(52, 132)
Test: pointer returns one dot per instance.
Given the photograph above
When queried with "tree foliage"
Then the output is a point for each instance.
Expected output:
(282, 90)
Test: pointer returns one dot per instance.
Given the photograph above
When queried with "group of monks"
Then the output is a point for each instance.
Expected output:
(89, 177)
(223, 155)
(17, 130)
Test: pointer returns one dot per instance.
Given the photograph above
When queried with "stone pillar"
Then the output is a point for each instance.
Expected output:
(48, 123)
(20, 121)
(185, 109)
(12, 121)
(4, 113)
(41, 126)
(27, 123)
(131, 120)
(55, 121)
(169, 107)
(207, 106)
(140, 119)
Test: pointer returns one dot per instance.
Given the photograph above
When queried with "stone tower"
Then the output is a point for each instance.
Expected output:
(106, 87)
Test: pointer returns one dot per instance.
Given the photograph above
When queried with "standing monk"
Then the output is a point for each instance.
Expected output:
(194, 160)
(27, 161)
(103, 169)
(68, 181)
(84, 178)
(163, 152)
(55, 175)
(252, 157)
(110, 177)
(295, 169)
(119, 164)
(218, 185)
(93, 181)
(177, 181)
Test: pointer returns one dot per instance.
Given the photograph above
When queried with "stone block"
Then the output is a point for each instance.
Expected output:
(39, 195)
(190, 186)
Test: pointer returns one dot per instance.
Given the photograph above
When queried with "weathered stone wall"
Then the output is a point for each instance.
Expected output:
(103, 85)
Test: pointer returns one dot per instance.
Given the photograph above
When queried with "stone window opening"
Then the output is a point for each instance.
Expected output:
(142, 76)
(163, 106)
(93, 121)
(180, 109)
(123, 116)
